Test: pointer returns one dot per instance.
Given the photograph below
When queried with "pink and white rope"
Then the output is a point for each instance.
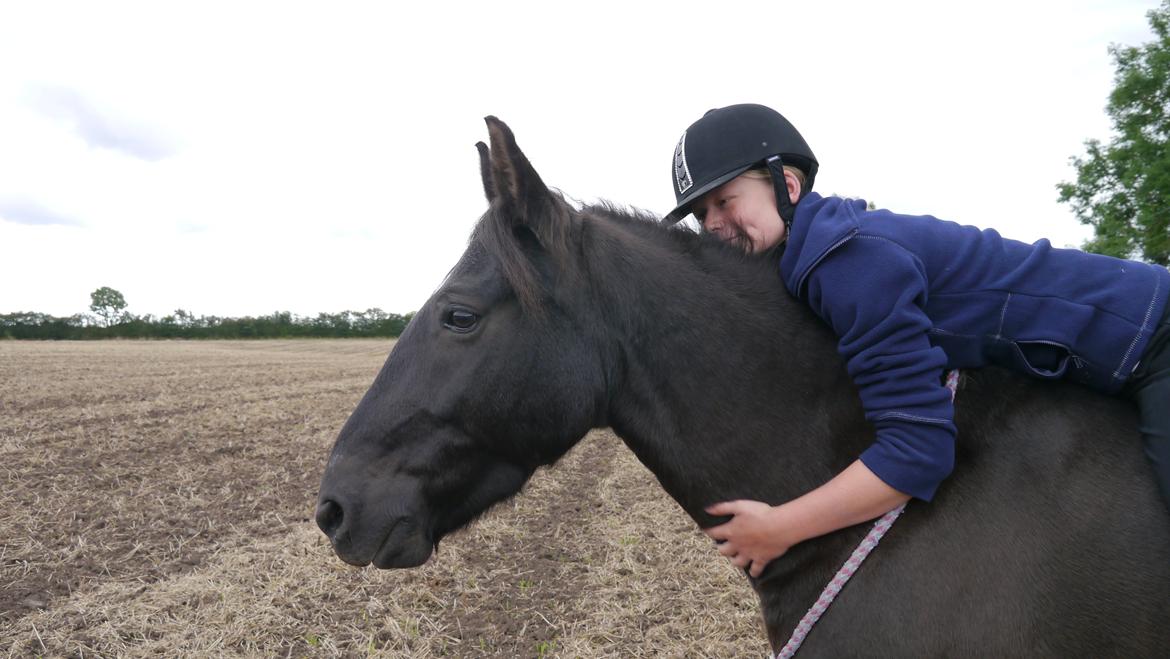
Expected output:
(851, 565)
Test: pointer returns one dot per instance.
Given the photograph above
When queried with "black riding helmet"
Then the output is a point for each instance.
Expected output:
(727, 142)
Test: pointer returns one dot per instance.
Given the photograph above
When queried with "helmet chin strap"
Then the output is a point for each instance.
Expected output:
(783, 204)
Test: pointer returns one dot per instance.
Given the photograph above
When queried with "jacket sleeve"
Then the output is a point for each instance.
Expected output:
(872, 292)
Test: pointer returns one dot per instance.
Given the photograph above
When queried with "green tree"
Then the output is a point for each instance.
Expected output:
(107, 303)
(1123, 188)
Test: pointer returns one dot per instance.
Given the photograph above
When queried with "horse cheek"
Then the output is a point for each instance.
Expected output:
(561, 399)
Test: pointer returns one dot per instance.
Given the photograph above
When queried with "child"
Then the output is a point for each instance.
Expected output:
(909, 297)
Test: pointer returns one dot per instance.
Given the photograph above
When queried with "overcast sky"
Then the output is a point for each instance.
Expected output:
(241, 158)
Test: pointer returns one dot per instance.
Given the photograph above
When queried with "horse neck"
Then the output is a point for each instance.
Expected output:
(721, 384)
(725, 388)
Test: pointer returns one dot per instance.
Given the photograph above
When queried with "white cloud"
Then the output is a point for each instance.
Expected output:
(27, 211)
(98, 127)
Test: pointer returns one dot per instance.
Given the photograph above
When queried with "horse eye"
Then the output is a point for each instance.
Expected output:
(460, 320)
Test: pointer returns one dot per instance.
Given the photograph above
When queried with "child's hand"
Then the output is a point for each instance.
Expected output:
(754, 536)
(759, 533)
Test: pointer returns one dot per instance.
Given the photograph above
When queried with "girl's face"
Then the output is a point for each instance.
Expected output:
(743, 212)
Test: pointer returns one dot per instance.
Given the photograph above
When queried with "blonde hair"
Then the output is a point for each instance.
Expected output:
(762, 172)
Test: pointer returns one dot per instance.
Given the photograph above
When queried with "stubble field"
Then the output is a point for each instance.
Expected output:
(158, 499)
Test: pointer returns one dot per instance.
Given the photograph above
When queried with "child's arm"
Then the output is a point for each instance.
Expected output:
(759, 533)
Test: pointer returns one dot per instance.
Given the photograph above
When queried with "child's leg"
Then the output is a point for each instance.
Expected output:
(1151, 390)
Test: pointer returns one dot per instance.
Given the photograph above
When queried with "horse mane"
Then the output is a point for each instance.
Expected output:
(670, 250)
(649, 227)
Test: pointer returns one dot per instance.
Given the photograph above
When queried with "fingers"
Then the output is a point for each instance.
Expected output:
(754, 567)
(724, 508)
(720, 532)
(723, 532)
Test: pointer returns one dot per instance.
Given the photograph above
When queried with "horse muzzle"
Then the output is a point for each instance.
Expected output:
(398, 541)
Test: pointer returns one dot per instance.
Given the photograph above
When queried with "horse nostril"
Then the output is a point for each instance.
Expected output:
(329, 516)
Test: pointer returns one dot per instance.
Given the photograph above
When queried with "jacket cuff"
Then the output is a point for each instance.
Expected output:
(915, 474)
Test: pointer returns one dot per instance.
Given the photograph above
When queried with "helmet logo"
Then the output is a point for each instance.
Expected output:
(682, 173)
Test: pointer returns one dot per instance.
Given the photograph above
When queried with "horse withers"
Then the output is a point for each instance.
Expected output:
(1048, 540)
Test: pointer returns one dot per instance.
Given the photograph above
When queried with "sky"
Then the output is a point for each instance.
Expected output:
(236, 158)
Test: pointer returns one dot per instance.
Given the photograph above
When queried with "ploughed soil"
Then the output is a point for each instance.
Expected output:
(157, 498)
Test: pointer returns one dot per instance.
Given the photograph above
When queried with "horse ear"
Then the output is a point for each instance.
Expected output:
(512, 177)
(485, 170)
(525, 214)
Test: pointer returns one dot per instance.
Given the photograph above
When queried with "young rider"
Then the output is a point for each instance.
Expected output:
(908, 297)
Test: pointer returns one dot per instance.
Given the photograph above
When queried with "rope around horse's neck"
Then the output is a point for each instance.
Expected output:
(855, 559)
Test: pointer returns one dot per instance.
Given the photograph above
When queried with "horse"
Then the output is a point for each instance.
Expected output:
(1048, 539)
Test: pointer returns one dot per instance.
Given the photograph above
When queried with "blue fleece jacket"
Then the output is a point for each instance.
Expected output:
(910, 296)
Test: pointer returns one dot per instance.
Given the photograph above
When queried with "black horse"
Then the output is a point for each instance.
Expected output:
(1048, 539)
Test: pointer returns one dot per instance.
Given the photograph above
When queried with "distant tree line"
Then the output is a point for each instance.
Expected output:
(185, 325)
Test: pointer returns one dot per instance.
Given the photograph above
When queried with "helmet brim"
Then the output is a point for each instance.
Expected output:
(684, 207)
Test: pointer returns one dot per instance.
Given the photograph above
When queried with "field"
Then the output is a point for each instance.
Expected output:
(158, 499)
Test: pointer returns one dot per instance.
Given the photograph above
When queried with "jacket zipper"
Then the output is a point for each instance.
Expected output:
(849, 236)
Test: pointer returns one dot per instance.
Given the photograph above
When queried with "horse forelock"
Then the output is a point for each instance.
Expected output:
(512, 244)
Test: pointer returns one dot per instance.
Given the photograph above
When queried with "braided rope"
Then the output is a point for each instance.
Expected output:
(851, 565)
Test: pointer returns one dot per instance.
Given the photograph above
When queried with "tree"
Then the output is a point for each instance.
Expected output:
(107, 303)
(1123, 188)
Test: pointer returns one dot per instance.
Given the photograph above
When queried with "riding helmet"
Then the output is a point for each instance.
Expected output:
(726, 142)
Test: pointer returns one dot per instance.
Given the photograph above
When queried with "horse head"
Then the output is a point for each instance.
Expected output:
(490, 380)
